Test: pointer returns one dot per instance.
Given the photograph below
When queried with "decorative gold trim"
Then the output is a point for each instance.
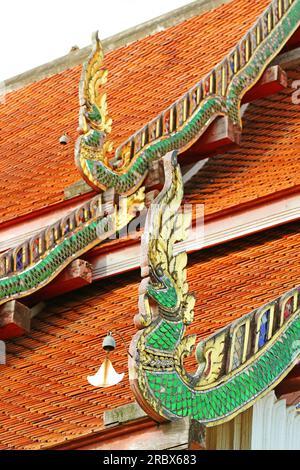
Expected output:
(259, 316)
(233, 332)
(256, 355)
(253, 401)
(283, 302)
(121, 216)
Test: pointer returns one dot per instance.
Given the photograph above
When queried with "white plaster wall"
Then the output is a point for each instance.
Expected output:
(275, 426)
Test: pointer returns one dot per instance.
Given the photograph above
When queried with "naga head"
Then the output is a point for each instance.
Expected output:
(162, 289)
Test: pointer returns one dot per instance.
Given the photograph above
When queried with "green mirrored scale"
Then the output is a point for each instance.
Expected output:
(95, 114)
(166, 296)
(44, 268)
(166, 336)
(179, 398)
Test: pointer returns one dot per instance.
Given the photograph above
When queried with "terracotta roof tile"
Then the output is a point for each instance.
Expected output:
(35, 168)
(44, 395)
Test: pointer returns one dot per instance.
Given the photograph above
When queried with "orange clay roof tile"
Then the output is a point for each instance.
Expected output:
(35, 168)
(45, 398)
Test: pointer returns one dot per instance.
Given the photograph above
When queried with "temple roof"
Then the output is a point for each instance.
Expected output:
(35, 116)
(45, 398)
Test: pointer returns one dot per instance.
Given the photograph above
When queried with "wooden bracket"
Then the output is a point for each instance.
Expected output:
(290, 384)
(197, 436)
(273, 80)
(77, 274)
(15, 319)
(222, 134)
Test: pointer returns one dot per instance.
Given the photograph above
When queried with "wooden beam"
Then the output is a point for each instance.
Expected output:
(222, 134)
(155, 177)
(77, 274)
(141, 434)
(123, 414)
(293, 42)
(273, 80)
(14, 320)
(290, 384)
(197, 436)
(114, 433)
(289, 59)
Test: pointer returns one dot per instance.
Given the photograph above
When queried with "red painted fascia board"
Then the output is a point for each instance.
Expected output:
(106, 434)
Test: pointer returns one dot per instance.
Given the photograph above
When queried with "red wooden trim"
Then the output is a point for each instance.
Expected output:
(273, 80)
(222, 134)
(290, 384)
(254, 203)
(15, 320)
(76, 275)
(293, 42)
(106, 434)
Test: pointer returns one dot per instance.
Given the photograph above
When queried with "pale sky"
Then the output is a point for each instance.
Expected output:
(34, 32)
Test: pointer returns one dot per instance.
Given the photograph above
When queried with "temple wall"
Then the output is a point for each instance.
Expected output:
(274, 425)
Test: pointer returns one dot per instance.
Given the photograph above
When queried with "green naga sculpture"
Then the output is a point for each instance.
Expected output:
(237, 365)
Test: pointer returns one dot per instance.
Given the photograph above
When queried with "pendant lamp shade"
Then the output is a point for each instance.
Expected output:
(106, 375)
